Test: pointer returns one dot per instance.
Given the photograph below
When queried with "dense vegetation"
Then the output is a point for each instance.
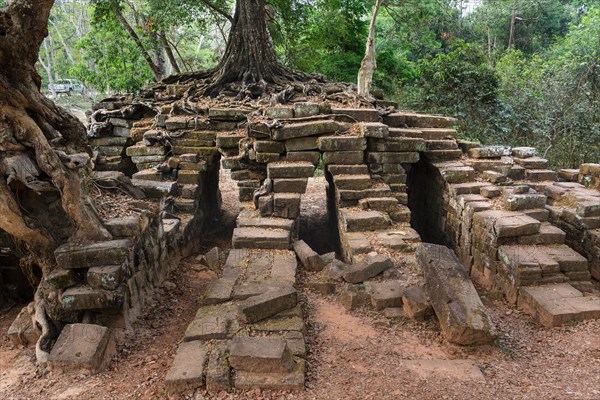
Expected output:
(522, 72)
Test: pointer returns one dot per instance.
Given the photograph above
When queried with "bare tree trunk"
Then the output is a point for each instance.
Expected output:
(169, 51)
(369, 63)
(155, 68)
(62, 41)
(513, 20)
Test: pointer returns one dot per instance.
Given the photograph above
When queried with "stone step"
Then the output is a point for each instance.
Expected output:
(361, 221)
(399, 144)
(530, 264)
(229, 140)
(261, 238)
(554, 305)
(351, 197)
(150, 174)
(290, 185)
(290, 170)
(352, 182)
(524, 201)
(426, 133)
(532, 162)
(156, 189)
(356, 169)
(419, 120)
(490, 152)
(386, 204)
(342, 143)
(442, 155)
(441, 145)
(359, 114)
(540, 175)
(188, 368)
(548, 234)
(250, 219)
(386, 294)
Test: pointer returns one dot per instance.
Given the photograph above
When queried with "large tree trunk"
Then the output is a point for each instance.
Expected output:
(249, 57)
(368, 64)
(42, 147)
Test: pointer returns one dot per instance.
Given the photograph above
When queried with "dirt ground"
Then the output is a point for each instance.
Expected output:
(352, 355)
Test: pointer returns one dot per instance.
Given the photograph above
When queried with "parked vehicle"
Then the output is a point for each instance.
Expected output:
(68, 86)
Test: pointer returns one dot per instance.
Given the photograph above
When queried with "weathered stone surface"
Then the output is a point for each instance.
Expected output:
(371, 266)
(220, 290)
(386, 204)
(301, 144)
(286, 205)
(263, 306)
(392, 158)
(22, 331)
(265, 158)
(261, 354)
(374, 130)
(524, 152)
(218, 374)
(428, 121)
(517, 202)
(516, 225)
(290, 170)
(569, 175)
(353, 182)
(463, 318)
(554, 305)
(207, 328)
(141, 150)
(269, 146)
(387, 294)
(83, 347)
(539, 175)
(124, 227)
(280, 112)
(398, 144)
(490, 152)
(187, 370)
(343, 157)
(292, 381)
(227, 114)
(360, 221)
(312, 157)
(63, 278)
(532, 162)
(356, 169)
(360, 114)
(110, 252)
(306, 109)
(290, 185)
(259, 238)
(342, 143)
(88, 298)
(312, 128)
(415, 303)
(106, 277)
(307, 256)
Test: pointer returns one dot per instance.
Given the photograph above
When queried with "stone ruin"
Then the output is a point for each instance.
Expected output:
(404, 194)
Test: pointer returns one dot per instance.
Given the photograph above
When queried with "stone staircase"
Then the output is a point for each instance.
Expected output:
(250, 323)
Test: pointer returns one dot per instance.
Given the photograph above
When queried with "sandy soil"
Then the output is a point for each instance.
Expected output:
(357, 355)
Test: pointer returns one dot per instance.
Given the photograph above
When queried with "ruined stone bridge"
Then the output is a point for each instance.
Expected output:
(395, 180)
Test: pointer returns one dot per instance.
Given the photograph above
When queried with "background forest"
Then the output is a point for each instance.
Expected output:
(518, 72)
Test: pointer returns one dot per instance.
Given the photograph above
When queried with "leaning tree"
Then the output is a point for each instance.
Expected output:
(43, 151)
